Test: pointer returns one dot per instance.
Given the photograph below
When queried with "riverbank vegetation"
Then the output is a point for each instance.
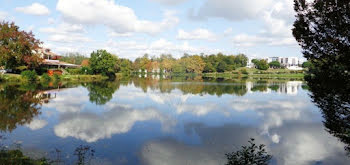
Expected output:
(102, 65)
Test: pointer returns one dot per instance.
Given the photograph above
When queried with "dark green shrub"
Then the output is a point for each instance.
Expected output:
(29, 75)
(46, 77)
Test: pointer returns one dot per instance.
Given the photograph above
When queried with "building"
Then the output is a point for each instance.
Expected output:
(292, 63)
(52, 63)
(51, 60)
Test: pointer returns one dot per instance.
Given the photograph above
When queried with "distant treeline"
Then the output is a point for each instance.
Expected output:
(165, 63)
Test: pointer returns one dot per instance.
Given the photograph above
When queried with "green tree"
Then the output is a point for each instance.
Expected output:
(17, 48)
(102, 92)
(307, 64)
(221, 67)
(260, 64)
(209, 68)
(102, 62)
(322, 29)
(275, 64)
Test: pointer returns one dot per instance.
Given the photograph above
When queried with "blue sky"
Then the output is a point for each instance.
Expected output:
(131, 28)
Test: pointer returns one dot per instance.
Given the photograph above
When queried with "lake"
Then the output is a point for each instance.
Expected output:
(149, 121)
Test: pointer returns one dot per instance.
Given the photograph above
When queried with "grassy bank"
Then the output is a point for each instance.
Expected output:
(75, 78)
(255, 73)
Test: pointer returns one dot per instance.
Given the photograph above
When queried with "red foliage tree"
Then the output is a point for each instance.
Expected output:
(17, 48)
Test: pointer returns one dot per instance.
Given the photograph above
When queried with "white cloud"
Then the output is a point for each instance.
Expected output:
(66, 33)
(68, 100)
(36, 124)
(197, 34)
(115, 34)
(253, 40)
(51, 21)
(118, 120)
(3, 15)
(34, 9)
(169, 2)
(119, 18)
(133, 49)
(233, 10)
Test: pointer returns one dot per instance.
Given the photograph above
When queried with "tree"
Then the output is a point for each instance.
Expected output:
(73, 58)
(17, 48)
(252, 154)
(102, 62)
(322, 29)
(194, 64)
(221, 67)
(209, 68)
(275, 64)
(307, 64)
(260, 64)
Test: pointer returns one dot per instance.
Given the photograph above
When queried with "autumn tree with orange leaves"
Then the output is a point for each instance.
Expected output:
(17, 48)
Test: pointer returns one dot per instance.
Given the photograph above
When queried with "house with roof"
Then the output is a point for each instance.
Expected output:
(51, 61)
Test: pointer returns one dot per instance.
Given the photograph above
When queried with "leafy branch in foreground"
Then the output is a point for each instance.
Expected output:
(249, 155)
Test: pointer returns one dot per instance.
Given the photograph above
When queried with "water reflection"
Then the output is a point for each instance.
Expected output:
(331, 95)
(18, 107)
(172, 121)
(117, 119)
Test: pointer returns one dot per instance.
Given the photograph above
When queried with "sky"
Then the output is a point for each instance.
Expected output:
(131, 28)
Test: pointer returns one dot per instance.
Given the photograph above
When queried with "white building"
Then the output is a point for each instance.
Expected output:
(292, 63)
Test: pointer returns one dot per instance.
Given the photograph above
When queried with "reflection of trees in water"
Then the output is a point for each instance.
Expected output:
(101, 92)
(332, 96)
(17, 107)
(251, 154)
(19, 104)
(83, 155)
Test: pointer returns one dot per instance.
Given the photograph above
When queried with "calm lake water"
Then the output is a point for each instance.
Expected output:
(167, 122)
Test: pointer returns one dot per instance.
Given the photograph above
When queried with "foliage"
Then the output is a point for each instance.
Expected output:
(244, 71)
(221, 67)
(190, 63)
(209, 68)
(322, 30)
(125, 66)
(46, 77)
(18, 107)
(261, 64)
(307, 64)
(102, 62)
(29, 75)
(56, 77)
(17, 157)
(17, 48)
(101, 92)
(74, 58)
(85, 63)
(249, 155)
(275, 64)
(74, 71)
(86, 70)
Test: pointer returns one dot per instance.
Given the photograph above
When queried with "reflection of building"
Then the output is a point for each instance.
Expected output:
(289, 88)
